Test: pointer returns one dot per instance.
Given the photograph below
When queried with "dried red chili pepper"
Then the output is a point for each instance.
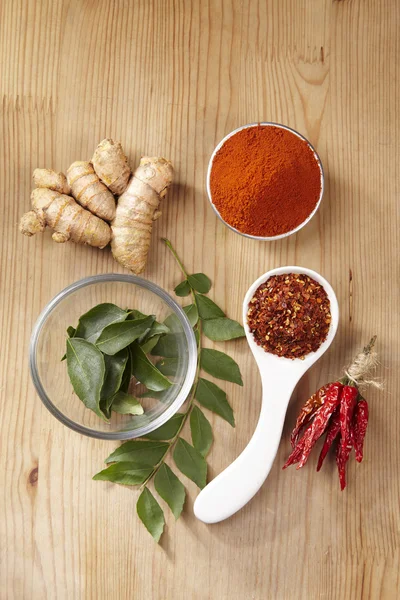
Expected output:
(296, 454)
(338, 414)
(331, 434)
(308, 411)
(320, 422)
(360, 422)
(347, 405)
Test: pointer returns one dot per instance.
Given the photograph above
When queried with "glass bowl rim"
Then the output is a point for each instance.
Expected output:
(192, 356)
(281, 235)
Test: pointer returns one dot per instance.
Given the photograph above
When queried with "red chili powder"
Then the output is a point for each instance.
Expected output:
(265, 181)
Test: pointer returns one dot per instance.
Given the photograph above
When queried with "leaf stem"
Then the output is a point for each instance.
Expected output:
(178, 260)
(192, 394)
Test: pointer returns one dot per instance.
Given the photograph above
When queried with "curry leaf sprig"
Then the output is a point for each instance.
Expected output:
(138, 462)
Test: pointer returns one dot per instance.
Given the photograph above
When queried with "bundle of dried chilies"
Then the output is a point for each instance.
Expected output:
(338, 410)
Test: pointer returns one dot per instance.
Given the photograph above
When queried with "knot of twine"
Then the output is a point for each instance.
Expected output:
(363, 366)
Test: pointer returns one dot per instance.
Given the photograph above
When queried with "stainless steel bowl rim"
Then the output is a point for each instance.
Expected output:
(282, 235)
(189, 378)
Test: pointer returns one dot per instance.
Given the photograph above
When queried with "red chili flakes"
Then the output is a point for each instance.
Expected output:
(289, 315)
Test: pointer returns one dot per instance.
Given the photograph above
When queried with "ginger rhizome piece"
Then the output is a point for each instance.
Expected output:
(111, 165)
(89, 191)
(136, 210)
(68, 220)
(46, 178)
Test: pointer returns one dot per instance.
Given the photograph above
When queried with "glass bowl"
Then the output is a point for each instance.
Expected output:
(257, 237)
(50, 375)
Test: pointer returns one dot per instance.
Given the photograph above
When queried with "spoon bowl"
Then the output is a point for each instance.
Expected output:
(242, 479)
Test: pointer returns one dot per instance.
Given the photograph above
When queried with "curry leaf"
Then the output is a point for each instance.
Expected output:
(151, 514)
(222, 329)
(182, 289)
(146, 372)
(118, 336)
(168, 366)
(170, 489)
(127, 375)
(126, 473)
(220, 365)
(212, 397)
(201, 431)
(199, 282)
(173, 323)
(92, 323)
(149, 344)
(190, 462)
(168, 430)
(167, 346)
(156, 329)
(140, 452)
(86, 371)
(125, 404)
(192, 314)
(70, 332)
(207, 308)
(134, 314)
(115, 367)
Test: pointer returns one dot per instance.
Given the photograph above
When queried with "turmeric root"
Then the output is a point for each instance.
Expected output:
(68, 220)
(136, 210)
(111, 165)
(46, 178)
(89, 191)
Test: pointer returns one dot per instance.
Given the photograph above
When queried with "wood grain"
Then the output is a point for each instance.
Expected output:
(173, 77)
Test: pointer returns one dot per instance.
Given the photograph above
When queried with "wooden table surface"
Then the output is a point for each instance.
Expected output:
(172, 78)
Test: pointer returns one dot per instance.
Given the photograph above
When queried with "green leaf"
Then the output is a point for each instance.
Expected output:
(162, 396)
(70, 332)
(201, 431)
(126, 473)
(115, 367)
(149, 344)
(127, 375)
(168, 366)
(212, 397)
(86, 371)
(220, 365)
(156, 329)
(125, 404)
(92, 323)
(170, 489)
(207, 308)
(168, 430)
(118, 336)
(167, 346)
(192, 314)
(199, 282)
(197, 336)
(140, 452)
(182, 289)
(222, 329)
(146, 372)
(134, 314)
(151, 514)
(173, 323)
(190, 462)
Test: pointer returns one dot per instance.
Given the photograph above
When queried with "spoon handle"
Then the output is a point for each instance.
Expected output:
(238, 483)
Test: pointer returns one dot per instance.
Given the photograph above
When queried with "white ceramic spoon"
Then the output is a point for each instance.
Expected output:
(235, 486)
